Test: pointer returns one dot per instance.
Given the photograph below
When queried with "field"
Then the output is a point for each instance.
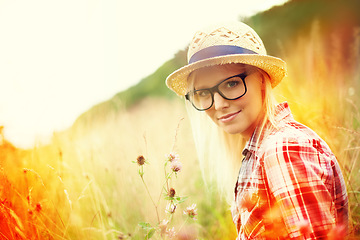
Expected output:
(84, 185)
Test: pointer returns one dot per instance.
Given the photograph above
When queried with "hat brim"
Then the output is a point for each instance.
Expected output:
(274, 67)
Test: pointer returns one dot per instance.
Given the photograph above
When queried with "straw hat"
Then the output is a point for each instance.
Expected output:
(223, 44)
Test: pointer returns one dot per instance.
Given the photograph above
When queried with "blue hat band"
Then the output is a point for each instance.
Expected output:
(217, 51)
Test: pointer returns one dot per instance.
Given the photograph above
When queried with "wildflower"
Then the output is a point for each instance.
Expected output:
(176, 166)
(191, 211)
(170, 208)
(38, 207)
(121, 236)
(172, 157)
(140, 160)
(171, 193)
(163, 226)
(30, 212)
(86, 176)
(171, 233)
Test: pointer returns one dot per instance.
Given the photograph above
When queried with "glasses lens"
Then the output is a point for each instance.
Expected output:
(201, 99)
(232, 88)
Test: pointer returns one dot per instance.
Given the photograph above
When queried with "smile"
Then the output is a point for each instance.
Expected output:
(228, 117)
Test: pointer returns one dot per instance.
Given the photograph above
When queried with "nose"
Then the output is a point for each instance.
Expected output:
(220, 102)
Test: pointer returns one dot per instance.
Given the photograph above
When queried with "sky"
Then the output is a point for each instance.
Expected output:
(59, 58)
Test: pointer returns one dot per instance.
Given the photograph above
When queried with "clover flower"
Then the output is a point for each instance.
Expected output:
(172, 157)
(171, 193)
(140, 160)
(191, 211)
(171, 233)
(176, 166)
(163, 226)
(38, 207)
(121, 236)
(170, 208)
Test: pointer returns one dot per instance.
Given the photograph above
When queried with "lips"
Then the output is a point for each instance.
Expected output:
(228, 117)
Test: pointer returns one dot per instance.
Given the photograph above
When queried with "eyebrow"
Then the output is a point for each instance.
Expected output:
(203, 88)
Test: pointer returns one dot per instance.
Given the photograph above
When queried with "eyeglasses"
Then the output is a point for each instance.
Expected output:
(231, 88)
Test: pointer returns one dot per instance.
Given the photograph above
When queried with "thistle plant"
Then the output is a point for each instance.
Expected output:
(163, 227)
(172, 167)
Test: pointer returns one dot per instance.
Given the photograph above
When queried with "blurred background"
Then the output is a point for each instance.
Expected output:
(82, 96)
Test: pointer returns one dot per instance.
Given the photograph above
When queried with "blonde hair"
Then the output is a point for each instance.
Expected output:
(219, 152)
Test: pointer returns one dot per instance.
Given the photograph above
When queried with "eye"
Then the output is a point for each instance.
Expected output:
(232, 83)
(202, 93)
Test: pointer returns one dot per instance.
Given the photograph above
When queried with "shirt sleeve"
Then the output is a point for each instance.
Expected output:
(300, 181)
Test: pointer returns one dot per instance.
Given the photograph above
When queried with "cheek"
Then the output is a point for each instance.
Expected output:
(210, 113)
(254, 101)
(256, 91)
(253, 96)
(257, 103)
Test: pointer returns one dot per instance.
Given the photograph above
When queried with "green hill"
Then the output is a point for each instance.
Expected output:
(281, 25)
(278, 27)
(151, 86)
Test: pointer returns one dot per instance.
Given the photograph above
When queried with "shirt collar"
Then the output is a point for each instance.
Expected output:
(282, 115)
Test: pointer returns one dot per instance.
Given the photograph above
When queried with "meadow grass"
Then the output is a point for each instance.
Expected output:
(85, 186)
(322, 90)
(89, 188)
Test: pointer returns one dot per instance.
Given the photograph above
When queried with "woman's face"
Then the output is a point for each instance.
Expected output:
(233, 116)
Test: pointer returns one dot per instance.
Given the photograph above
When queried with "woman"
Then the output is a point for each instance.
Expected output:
(290, 185)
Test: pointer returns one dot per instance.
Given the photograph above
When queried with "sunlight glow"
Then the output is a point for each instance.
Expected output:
(59, 58)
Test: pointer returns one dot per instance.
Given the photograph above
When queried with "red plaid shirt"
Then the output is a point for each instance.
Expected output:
(289, 185)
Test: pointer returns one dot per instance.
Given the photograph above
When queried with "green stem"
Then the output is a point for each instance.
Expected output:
(165, 183)
(183, 224)
(156, 206)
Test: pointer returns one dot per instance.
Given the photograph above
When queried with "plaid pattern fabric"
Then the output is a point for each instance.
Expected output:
(290, 185)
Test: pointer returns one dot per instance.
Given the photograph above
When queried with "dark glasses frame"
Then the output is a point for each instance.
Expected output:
(215, 89)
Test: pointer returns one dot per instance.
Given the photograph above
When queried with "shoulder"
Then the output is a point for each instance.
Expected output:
(296, 153)
(295, 140)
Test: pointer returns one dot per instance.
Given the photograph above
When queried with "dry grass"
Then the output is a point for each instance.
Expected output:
(322, 91)
(88, 186)
(85, 186)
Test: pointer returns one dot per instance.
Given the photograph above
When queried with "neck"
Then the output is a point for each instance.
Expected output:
(258, 123)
